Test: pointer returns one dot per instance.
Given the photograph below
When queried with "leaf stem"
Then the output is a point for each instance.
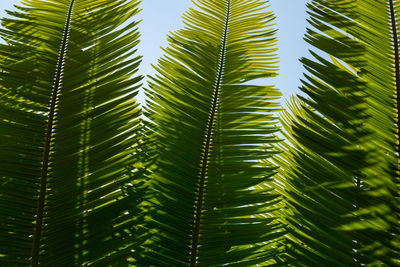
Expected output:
(207, 143)
(397, 69)
(49, 135)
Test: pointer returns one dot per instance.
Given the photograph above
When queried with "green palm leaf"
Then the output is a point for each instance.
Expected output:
(339, 178)
(211, 120)
(68, 133)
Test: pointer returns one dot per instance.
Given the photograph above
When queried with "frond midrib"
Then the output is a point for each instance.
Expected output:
(49, 135)
(397, 68)
(208, 139)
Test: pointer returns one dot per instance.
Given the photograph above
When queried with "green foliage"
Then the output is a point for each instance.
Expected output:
(77, 99)
(84, 181)
(339, 173)
(211, 122)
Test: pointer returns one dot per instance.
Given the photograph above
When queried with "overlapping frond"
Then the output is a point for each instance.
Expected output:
(338, 175)
(211, 121)
(68, 133)
(380, 33)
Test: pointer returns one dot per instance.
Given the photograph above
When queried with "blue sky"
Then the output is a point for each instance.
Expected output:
(161, 16)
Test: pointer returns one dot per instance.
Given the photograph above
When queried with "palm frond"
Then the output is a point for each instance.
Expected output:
(68, 134)
(338, 173)
(211, 121)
